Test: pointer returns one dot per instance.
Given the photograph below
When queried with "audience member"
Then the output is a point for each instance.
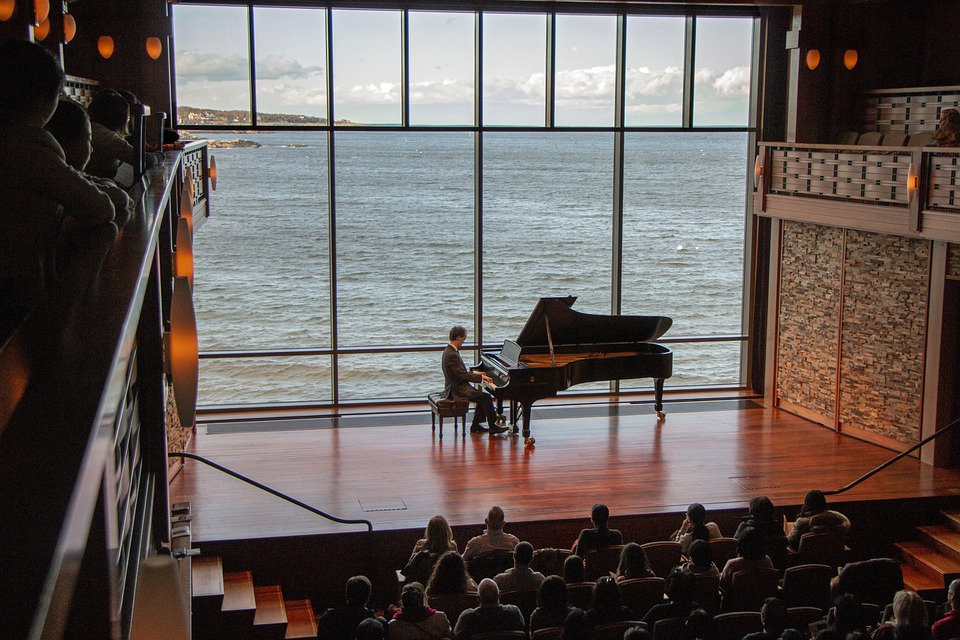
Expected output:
(680, 595)
(600, 535)
(701, 559)
(416, 620)
(578, 626)
(633, 563)
(815, 517)
(493, 537)
(762, 519)
(490, 615)
(636, 633)
(700, 626)
(605, 604)
(773, 617)
(110, 117)
(948, 626)
(695, 527)
(450, 575)
(573, 569)
(437, 539)
(908, 608)
(553, 605)
(371, 629)
(35, 179)
(948, 134)
(847, 616)
(521, 576)
(751, 557)
(342, 622)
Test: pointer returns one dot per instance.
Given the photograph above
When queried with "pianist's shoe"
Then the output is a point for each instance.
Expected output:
(495, 430)
(478, 428)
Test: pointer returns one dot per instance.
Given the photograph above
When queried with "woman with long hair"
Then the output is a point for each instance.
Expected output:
(553, 605)
(948, 134)
(450, 575)
(633, 563)
(606, 605)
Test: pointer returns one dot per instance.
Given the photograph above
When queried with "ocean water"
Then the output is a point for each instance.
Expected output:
(405, 266)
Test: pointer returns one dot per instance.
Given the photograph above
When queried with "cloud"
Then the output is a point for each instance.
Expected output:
(212, 66)
(731, 83)
(646, 82)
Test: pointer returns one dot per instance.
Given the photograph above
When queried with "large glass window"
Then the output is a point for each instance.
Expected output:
(275, 326)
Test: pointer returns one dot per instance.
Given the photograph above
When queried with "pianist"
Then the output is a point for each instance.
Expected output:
(457, 381)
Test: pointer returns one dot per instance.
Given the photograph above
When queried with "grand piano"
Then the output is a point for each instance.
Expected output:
(559, 348)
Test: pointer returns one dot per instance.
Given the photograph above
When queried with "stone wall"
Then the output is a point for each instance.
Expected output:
(177, 436)
(884, 327)
(853, 308)
(809, 317)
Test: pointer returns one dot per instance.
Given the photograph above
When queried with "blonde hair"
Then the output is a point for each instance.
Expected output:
(909, 607)
(438, 536)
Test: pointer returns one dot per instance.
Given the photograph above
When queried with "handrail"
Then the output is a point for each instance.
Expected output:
(238, 476)
(894, 459)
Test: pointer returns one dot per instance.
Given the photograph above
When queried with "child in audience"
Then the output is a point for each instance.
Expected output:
(35, 180)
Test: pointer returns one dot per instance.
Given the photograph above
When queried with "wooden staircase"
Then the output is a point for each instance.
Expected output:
(229, 605)
(932, 561)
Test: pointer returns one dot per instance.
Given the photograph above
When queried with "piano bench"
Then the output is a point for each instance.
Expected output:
(441, 408)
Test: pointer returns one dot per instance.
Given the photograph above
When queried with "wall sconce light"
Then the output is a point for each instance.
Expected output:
(212, 172)
(7, 9)
(42, 30)
(850, 58)
(183, 354)
(913, 182)
(159, 610)
(154, 47)
(105, 46)
(41, 11)
(69, 28)
(183, 256)
(813, 59)
(757, 171)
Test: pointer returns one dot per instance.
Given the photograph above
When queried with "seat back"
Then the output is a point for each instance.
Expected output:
(600, 562)
(849, 137)
(549, 561)
(489, 563)
(525, 599)
(808, 585)
(615, 630)
(669, 629)
(723, 549)
(873, 581)
(800, 618)
(749, 589)
(501, 635)
(639, 594)
(920, 139)
(706, 589)
(870, 138)
(662, 556)
(820, 548)
(453, 604)
(894, 139)
(735, 625)
(550, 633)
(580, 594)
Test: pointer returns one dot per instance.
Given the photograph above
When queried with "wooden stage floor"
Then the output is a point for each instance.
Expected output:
(389, 469)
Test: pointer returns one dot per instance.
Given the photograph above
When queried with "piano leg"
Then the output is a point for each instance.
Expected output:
(525, 410)
(658, 398)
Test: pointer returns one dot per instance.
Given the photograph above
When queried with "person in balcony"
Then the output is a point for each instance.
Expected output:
(35, 180)
(110, 116)
(695, 527)
(948, 134)
(493, 537)
(815, 517)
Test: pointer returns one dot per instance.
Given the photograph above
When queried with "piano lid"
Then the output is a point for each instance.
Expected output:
(569, 327)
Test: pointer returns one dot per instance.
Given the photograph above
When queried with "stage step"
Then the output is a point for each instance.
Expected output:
(301, 621)
(207, 601)
(929, 562)
(928, 588)
(952, 519)
(943, 539)
(239, 604)
(270, 620)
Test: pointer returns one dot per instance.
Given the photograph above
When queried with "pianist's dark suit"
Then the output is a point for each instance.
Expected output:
(457, 381)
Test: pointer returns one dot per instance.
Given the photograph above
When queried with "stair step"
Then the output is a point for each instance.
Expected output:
(943, 539)
(239, 599)
(301, 621)
(928, 589)
(952, 518)
(270, 621)
(929, 561)
(207, 577)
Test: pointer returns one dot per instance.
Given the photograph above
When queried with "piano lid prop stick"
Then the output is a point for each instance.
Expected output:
(553, 360)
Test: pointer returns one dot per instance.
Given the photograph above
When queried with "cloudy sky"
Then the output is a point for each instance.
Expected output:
(212, 66)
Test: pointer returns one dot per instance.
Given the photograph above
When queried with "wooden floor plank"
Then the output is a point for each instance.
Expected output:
(398, 475)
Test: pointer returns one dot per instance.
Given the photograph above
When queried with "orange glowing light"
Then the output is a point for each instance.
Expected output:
(154, 47)
(105, 46)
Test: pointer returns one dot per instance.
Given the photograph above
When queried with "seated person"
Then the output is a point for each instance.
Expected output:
(949, 625)
(35, 180)
(762, 517)
(110, 117)
(520, 577)
(415, 619)
(751, 556)
(553, 605)
(605, 605)
(695, 527)
(573, 570)
(490, 615)
(457, 384)
(773, 617)
(701, 559)
(633, 563)
(437, 539)
(600, 535)
(493, 537)
(909, 618)
(815, 517)
(948, 134)
(847, 616)
(680, 595)
(450, 576)
(342, 622)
